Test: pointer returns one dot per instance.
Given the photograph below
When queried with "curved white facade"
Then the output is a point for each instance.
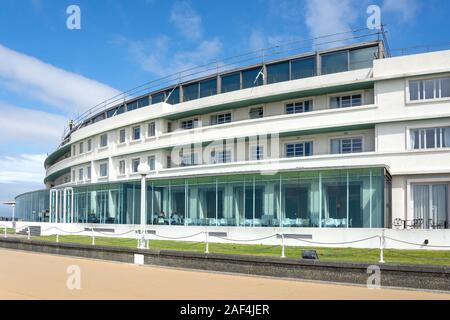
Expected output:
(367, 119)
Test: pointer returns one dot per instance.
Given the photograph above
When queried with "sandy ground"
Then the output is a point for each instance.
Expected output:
(25, 275)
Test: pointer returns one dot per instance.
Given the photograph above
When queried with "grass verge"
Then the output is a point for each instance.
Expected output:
(391, 256)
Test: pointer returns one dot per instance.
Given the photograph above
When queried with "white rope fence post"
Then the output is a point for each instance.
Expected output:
(93, 236)
(6, 232)
(29, 233)
(283, 255)
(382, 247)
(57, 235)
(206, 242)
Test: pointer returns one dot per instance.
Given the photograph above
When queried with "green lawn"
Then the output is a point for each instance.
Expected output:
(326, 254)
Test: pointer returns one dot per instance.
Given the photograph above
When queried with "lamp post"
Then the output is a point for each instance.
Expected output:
(143, 170)
(12, 204)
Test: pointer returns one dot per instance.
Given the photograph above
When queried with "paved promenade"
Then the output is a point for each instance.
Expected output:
(26, 275)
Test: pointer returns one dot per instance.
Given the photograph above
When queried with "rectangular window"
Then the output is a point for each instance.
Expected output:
(122, 136)
(231, 82)
(303, 68)
(103, 172)
(173, 96)
(295, 150)
(221, 156)
(252, 78)
(80, 174)
(190, 91)
(81, 147)
(103, 140)
(151, 162)
(151, 129)
(73, 176)
(334, 62)
(208, 87)
(116, 111)
(169, 162)
(74, 150)
(438, 88)
(89, 173)
(299, 107)
(257, 153)
(189, 124)
(430, 138)
(363, 58)
(346, 145)
(158, 97)
(89, 145)
(136, 133)
(134, 165)
(220, 118)
(122, 167)
(169, 127)
(346, 101)
(256, 113)
(278, 72)
(188, 160)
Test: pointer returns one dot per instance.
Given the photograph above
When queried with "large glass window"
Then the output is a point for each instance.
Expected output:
(221, 156)
(430, 205)
(252, 78)
(326, 198)
(363, 58)
(278, 72)
(158, 97)
(190, 92)
(334, 62)
(173, 96)
(429, 89)
(208, 88)
(303, 68)
(430, 138)
(231, 82)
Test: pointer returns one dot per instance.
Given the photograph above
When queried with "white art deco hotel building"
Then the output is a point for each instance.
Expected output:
(344, 138)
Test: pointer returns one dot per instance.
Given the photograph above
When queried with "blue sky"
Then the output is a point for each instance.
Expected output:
(49, 73)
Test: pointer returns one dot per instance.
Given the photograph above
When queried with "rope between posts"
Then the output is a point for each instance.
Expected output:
(336, 243)
(416, 244)
(172, 238)
(114, 234)
(63, 231)
(244, 240)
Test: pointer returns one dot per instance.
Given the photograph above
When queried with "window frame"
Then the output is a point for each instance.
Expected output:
(100, 170)
(219, 114)
(254, 108)
(330, 141)
(133, 161)
(302, 101)
(154, 162)
(120, 142)
(295, 142)
(133, 138)
(149, 129)
(344, 94)
(424, 100)
(410, 130)
(101, 146)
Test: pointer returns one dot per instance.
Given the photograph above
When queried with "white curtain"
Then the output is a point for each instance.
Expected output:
(421, 199)
(439, 203)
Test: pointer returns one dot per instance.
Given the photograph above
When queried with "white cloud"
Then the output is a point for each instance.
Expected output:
(159, 58)
(326, 17)
(186, 20)
(59, 88)
(18, 125)
(27, 168)
(406, 9)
